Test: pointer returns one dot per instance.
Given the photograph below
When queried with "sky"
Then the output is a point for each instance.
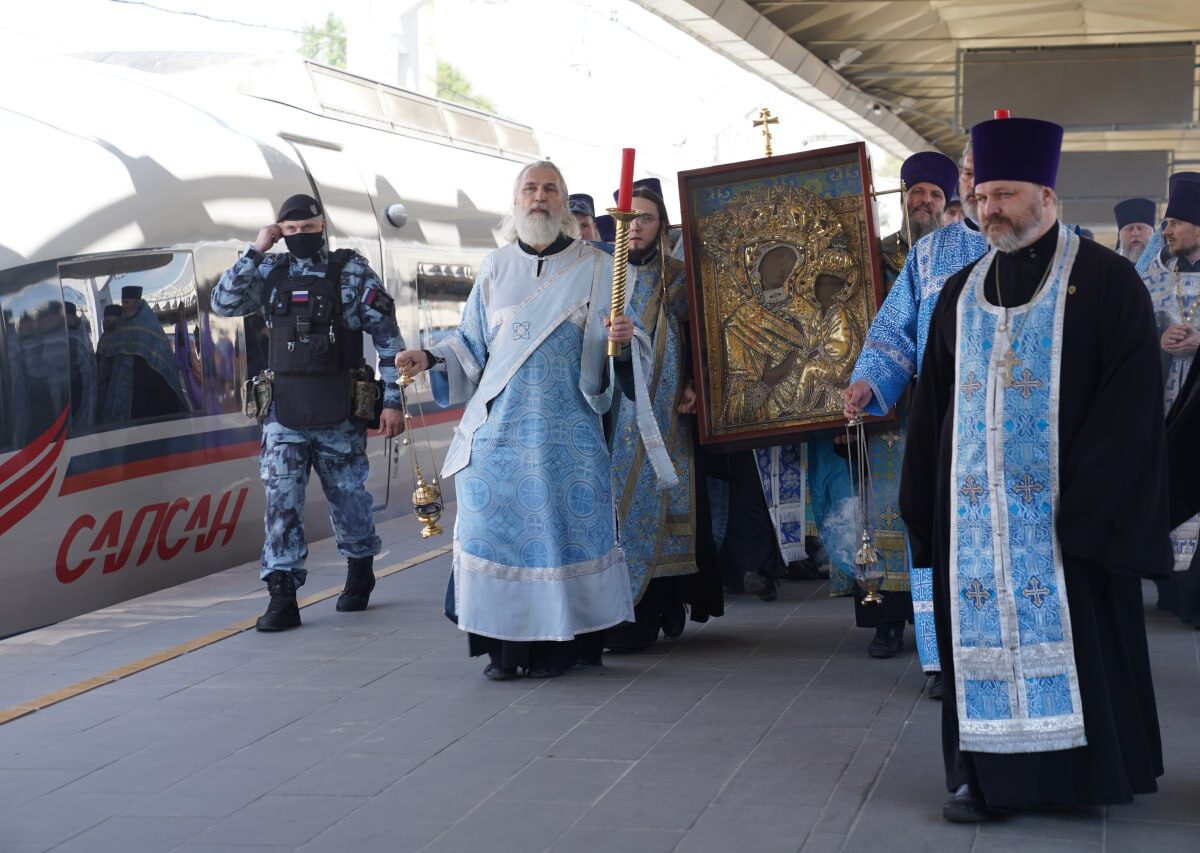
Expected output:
(591, 76)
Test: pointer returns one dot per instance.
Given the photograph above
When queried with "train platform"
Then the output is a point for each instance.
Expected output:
(167, 724)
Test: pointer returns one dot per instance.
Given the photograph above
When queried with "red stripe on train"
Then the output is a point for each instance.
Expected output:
(25, 469)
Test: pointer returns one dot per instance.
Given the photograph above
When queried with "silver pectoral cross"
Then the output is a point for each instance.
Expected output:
(1007, 367)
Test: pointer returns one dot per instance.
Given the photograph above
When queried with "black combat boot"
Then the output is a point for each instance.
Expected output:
(282, 611)
(360, 580)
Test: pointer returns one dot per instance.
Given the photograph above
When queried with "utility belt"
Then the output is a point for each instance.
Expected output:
(364, 396)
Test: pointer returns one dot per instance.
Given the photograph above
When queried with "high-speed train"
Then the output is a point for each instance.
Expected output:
(156, 171)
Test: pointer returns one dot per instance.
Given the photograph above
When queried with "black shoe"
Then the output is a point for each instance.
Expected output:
(889, 639)
(550, 670)
(673, 620)
(964, 807)
(801, 570)
(499, 673)
(933, 687)
(766, 588)
(360, 580)
(282, 610)
(820, 557)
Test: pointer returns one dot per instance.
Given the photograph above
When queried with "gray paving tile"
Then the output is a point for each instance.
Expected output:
(534, 721)
(18, 787)
(350, 774)
(526, 828)
(884, 825)
(640, 801)
(608, 740)
(563, 780)
(992, 844)
(57, 816)
(143, 834)
(587, 839)
(762, 829)
(273, 819)
(1126, 836)
(1086, 825)
(216, 792)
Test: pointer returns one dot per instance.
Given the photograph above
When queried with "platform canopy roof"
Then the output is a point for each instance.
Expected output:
(915, 74)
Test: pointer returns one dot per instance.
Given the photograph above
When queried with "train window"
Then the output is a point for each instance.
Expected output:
(35, 361)
(442, 290)
(138, 313)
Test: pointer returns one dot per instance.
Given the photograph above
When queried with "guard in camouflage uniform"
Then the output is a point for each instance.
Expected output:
(317, 305)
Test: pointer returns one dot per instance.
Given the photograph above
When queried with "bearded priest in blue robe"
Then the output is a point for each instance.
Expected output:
(538, 571)
(891, 358)
(1020, 489)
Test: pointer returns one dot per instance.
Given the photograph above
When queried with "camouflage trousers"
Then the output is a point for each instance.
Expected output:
(339, 455)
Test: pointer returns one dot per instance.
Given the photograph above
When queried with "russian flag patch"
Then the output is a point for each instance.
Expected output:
(370, 295)
(300, 296)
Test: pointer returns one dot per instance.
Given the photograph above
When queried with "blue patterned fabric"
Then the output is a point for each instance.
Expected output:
(781, 469)
(1152, 252)
(1016, 683)
(1165, 286)
(891, 356)
(535, 548)
(657, 528)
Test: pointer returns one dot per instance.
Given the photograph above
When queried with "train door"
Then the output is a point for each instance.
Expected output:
(351, 224)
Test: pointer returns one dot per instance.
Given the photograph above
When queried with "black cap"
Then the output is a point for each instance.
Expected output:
(1184, 203)
(131, 291)
(112, 310)
(298, 207)
(1134, 210)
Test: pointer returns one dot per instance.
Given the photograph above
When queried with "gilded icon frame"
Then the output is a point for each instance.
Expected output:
(784, 277)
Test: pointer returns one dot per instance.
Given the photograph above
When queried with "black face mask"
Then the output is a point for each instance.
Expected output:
(304, 246)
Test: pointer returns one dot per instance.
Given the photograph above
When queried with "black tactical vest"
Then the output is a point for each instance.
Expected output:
(311, 351)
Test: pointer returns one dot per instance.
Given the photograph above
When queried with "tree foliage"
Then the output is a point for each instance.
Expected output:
(325, 44)
(453, 86)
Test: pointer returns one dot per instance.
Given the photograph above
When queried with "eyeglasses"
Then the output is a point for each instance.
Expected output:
(646, 219)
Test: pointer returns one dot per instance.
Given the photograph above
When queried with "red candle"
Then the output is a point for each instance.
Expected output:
(1001, 113)
(625, 193)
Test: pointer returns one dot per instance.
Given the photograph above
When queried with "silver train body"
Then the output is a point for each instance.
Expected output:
(115, 175)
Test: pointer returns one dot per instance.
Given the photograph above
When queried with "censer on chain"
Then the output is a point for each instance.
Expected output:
(427, 494)
(867, 572)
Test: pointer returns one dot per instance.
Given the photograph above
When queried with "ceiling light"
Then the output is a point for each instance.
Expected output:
(850, 54)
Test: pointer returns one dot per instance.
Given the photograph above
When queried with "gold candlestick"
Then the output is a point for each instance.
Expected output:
(622, 218)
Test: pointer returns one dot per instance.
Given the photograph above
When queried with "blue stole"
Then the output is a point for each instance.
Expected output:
(1014, 660)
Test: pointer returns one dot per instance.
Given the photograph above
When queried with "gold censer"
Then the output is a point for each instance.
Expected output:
(427, 495)
(867, 573)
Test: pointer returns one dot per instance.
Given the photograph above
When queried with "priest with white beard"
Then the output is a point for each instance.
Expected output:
(538, 572)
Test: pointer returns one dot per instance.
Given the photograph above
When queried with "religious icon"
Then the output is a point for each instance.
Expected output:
(783, 278)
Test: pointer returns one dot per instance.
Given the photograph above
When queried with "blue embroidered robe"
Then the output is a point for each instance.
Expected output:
(657, 528)
(1094, 526)
(891, 357)
(535, 549)
(1165, 286)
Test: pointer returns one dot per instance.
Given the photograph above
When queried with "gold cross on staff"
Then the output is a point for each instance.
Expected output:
(765, 120)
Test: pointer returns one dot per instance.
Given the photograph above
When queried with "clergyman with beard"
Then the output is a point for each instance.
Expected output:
(538, 572)
(1039, 501)
(929, 179)
(891, 357)
(1135, 226)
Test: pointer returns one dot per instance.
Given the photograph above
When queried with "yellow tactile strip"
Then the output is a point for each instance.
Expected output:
(17, 711)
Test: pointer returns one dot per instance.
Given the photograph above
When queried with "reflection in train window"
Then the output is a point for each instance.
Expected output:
(138, 315)
(35, 357)
(442, 291)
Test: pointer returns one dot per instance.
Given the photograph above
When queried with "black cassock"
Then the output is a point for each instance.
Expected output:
(1112, 523)
(1181, 592)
